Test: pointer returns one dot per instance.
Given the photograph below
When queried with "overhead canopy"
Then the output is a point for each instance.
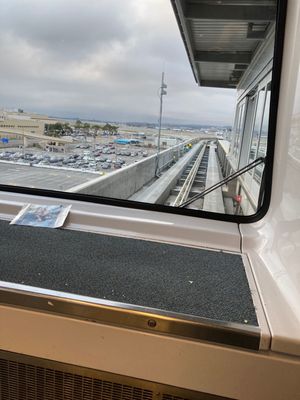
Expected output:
(221, 36)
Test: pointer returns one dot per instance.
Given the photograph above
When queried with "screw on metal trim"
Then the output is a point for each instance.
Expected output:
(152, 323)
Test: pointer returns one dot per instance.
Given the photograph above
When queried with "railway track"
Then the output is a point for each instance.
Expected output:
(192, 181)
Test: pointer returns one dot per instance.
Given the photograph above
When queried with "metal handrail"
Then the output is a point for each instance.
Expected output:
(229, 178)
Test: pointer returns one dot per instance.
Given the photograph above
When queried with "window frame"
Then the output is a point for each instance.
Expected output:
(250, 185)
(259, 90)
(275, 86)
(261, 128)
(242, 108)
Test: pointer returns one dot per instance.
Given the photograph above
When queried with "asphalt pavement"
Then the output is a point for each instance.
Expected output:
(41, 177)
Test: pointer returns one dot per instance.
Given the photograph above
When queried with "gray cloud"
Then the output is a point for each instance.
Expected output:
(68, 28)
(101, 60)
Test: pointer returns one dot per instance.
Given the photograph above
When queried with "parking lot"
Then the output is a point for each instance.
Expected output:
(61, 167)
(83, 157)
(79, 163)
(41, 178)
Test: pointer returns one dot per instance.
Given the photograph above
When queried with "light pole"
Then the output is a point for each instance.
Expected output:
(162, 92)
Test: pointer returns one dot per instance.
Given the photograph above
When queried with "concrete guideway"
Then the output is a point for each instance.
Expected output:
(187, 186)
(187, 171)
(213, 201)
(158, 192)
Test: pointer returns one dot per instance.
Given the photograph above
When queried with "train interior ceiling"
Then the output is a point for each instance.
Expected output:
(186, 285)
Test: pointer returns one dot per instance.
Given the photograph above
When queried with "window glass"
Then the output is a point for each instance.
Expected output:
(234, 137)
(239, 132)
(133, 102)
(257, 125)
(262, 147)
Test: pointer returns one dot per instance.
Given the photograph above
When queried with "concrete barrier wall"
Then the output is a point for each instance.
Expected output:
(123, 183)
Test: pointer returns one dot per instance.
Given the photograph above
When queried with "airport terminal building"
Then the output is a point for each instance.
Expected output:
(12, 123)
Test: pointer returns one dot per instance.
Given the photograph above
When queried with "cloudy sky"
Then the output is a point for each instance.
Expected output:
(101, 59)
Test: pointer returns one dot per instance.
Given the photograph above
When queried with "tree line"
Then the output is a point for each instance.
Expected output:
(107, 129)
(58, 129)
(61, 129)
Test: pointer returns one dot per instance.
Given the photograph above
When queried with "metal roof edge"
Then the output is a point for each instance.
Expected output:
(184, 35)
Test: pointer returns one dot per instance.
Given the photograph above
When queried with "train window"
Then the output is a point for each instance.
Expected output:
(239, 131)
(263, 139)
(260, 100)
(132, 103)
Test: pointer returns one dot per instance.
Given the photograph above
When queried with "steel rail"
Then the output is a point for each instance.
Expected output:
(188, 183)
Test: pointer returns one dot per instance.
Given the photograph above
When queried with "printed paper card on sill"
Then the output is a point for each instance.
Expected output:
(52, 216)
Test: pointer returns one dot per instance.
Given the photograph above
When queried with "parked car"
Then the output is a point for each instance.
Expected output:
(105, 166)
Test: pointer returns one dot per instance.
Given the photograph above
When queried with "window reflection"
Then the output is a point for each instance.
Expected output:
(239, 131)
(262, 147)
(257, 125)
